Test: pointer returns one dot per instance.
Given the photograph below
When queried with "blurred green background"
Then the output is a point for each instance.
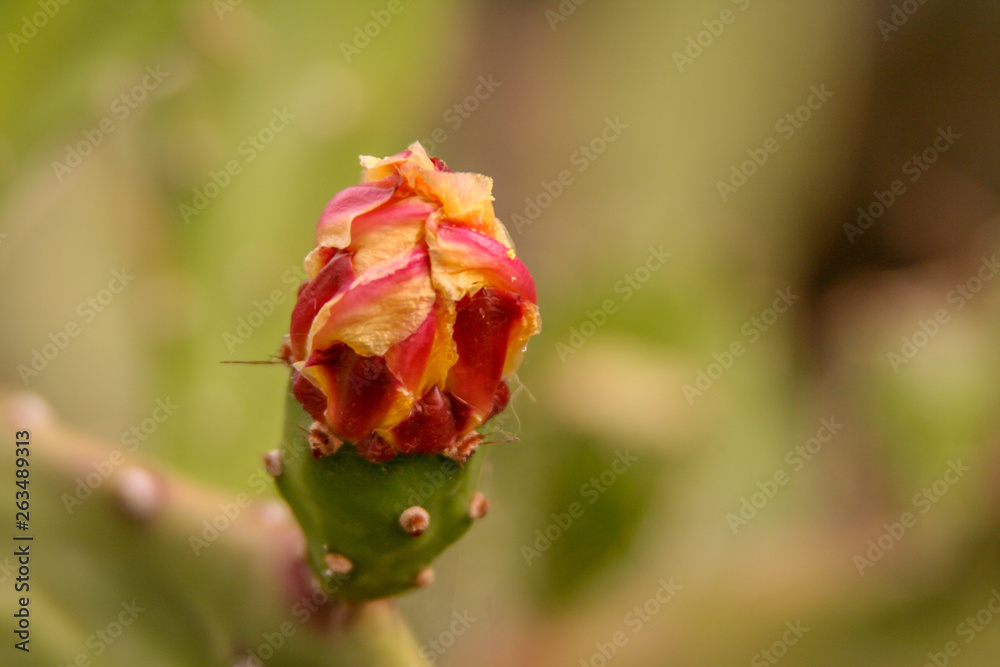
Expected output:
(190, 147)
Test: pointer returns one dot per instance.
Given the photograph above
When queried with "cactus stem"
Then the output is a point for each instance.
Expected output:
(352, 503)
(415, 520)
(479, 506)
(139, 494)
(424, 578)
(338, 563)
(272, 462)
(247, 583)
(322, 441)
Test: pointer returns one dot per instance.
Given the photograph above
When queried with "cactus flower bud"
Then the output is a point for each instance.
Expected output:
(414, 313)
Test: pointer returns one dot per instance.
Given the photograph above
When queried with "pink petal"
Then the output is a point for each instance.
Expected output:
(332, 278)
(412, 208)
(382, 307)
(388, 232)
(463, 261)
(334, 227)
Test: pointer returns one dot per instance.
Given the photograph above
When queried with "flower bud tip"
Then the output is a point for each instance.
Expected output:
(414, 313)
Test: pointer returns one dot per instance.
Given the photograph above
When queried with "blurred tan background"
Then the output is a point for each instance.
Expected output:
(764, 237)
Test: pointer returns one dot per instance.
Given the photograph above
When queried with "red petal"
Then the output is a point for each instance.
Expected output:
(332, 278)
(309, 395)
(408, 358)
(483, 326)
(361, 392)
(429, 429)
(500, 400)
(466, 419)
(375, 449)
(463, 414)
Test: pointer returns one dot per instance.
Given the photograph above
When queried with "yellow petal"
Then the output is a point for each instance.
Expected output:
(525, 329)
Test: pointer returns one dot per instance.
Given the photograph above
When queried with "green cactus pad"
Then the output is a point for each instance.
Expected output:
(350, 507)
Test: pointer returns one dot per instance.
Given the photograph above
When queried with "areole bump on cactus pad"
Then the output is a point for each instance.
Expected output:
(414, 314)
